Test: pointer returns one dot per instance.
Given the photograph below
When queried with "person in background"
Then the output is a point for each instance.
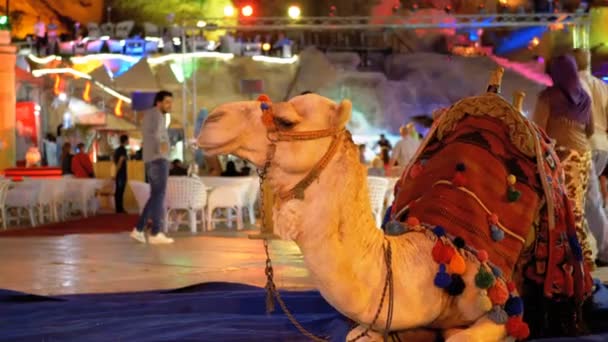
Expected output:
(377, 168)
(40, 34)
(66, 159)
(230, 170)
(246, 169)
(81, 163)
(156, 161)
(384, 143)
(362, 154)
(564, 112)
(594, 212)
(406, 147)
(177, 168)
(50, 150)
(52, 41)
(120, 160)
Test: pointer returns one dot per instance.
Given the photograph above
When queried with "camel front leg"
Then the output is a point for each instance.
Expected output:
(483, 330)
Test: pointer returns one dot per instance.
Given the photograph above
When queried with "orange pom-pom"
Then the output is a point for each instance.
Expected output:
(412, 221)
(459, 179)
(493, 219)
(442, 253)
(263, 98)
(457, 264)
(517, 328)
(498, 293)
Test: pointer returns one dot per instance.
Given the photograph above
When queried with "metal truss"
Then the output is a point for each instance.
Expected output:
(389, 22)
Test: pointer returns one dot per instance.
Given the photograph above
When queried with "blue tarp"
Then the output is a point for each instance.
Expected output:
(205, 312)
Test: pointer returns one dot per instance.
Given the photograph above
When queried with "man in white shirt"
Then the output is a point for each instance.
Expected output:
(594, 212)
(405, 149)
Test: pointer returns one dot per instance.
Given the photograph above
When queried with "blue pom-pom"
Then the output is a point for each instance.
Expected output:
(387, 216)
(498, 315)
(460, 167)
(496, 271)
(264, 106)
(576, 248)
(442, 280)
(514, 306)
(497, 233)
(439, 231)
(394, 228)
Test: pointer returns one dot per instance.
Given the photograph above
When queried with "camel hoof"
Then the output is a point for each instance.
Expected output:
(371, 336)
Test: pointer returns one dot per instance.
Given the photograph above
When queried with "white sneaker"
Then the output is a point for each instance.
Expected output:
(159, 239)
(139, 236)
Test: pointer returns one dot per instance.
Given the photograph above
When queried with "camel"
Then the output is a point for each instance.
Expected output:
(312, 164)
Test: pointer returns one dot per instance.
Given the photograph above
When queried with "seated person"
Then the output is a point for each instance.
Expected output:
(377, 168)
(231, 170)
(82, 167)
(177, 169)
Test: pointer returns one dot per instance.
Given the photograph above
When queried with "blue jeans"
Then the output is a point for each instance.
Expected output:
(158, 173)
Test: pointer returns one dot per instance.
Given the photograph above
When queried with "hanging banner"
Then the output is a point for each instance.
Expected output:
(26, 134)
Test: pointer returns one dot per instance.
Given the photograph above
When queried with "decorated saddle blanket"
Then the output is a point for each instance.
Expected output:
(491, 180)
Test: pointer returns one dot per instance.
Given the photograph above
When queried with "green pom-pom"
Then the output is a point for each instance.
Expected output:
(484, 279)
(513, 195)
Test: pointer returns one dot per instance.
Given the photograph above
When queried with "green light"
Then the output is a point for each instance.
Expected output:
(3, 20)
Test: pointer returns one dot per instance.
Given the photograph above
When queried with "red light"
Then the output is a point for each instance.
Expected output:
(247, 11)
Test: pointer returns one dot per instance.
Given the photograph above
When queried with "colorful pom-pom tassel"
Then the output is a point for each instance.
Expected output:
(497, 233)
(498, 315)
(483, 278)
(456, 286)
(265, 106)
(394, 228)
(513, 194)
(482, 255)
(483, 301)
(517, 328)
(439, 231)
(442, 253)
(498, 293)
(493, 219)
(267, 119)
(511, 179)
(511, 286)
(442, 278)
(263, 98)
(459, 242)
(514, 306)
(497, 272)
(459, 179)
(457, 264)
(412, 221)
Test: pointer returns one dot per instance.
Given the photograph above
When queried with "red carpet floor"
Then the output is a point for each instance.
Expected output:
(100, 224)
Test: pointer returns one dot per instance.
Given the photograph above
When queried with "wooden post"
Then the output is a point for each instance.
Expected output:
(8, 100)
(267, 229)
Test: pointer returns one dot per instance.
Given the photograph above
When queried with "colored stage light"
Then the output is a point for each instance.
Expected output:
(294, 12)
(247, 11)
(229, 11)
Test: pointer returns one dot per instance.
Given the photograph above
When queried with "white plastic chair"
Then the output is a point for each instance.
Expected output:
(24, 196)
(124, 28)
(232, 198)
(253, 194)
(107, 29)
(93, 31)
(377, 190)
(141, 191)
(4, 186)
(390, 190)
(189, 194)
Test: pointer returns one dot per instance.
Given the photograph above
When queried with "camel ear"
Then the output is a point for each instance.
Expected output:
(343, 113)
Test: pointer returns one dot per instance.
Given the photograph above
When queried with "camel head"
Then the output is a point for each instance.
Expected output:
(238, 128)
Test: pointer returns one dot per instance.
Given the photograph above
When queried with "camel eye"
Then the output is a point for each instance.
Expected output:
(283, 123)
